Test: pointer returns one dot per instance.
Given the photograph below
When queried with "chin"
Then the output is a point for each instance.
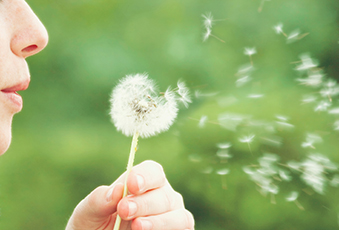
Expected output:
(5, 141)
(5, 133)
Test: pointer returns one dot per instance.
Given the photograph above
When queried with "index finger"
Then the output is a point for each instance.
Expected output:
(146, 176)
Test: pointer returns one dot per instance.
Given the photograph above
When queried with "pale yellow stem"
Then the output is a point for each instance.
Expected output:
(129, 168)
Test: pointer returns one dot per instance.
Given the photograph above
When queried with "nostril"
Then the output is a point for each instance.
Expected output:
(29, 49)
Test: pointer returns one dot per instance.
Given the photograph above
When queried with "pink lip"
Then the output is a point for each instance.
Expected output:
(13, 96)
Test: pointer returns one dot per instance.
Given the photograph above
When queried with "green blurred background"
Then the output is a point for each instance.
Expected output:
(64, 144)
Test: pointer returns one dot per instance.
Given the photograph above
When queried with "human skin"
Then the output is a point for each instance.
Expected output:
(152, 204)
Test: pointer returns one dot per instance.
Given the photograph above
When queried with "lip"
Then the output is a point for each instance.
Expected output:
(13, 97)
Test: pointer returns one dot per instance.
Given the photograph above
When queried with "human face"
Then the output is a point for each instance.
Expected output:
(21, 35)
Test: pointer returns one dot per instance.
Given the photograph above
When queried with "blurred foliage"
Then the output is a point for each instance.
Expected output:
(64, 144)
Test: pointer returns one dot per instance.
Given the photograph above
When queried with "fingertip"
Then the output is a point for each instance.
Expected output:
(114, 193)
(141, 224)
(135, 183)
(123, 209)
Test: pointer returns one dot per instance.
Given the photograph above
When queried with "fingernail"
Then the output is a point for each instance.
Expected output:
(141, 182)
(146, 225)
(109, 196)
(132, 208)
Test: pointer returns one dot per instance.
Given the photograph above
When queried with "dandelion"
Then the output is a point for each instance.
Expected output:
(137, 110)
(249, 52)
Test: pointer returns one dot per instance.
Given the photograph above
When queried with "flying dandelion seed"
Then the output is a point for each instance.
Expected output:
(309, 99)
(262, 5)
(311, 139)
(249, 52)
(284, 125)
(199, 94)
(231, 121)
(224, 154)
(207, 170)
(247, 139)
(202, 121)
(314, 79)
(223, 173)
(137, 110)
(225, 145)
(208, 20)
(292, 197)
(279, 29)
(334, 111)
(195, 158)
(208, 34)
(242, 81)
(255, 96)
(336, 125)
(307, 63)
(322, 106)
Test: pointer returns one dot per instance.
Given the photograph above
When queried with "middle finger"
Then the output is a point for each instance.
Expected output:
(153, 202)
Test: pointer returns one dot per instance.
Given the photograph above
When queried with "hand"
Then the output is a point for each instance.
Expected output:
(152, 204)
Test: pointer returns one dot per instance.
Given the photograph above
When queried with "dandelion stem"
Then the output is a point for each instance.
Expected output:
(129, 168)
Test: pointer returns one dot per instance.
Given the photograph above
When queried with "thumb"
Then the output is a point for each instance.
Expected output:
(97, 208)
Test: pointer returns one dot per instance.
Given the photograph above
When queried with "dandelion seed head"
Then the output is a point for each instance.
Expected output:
(135, 107)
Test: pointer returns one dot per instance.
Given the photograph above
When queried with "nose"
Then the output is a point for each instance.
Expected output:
(29, 34)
